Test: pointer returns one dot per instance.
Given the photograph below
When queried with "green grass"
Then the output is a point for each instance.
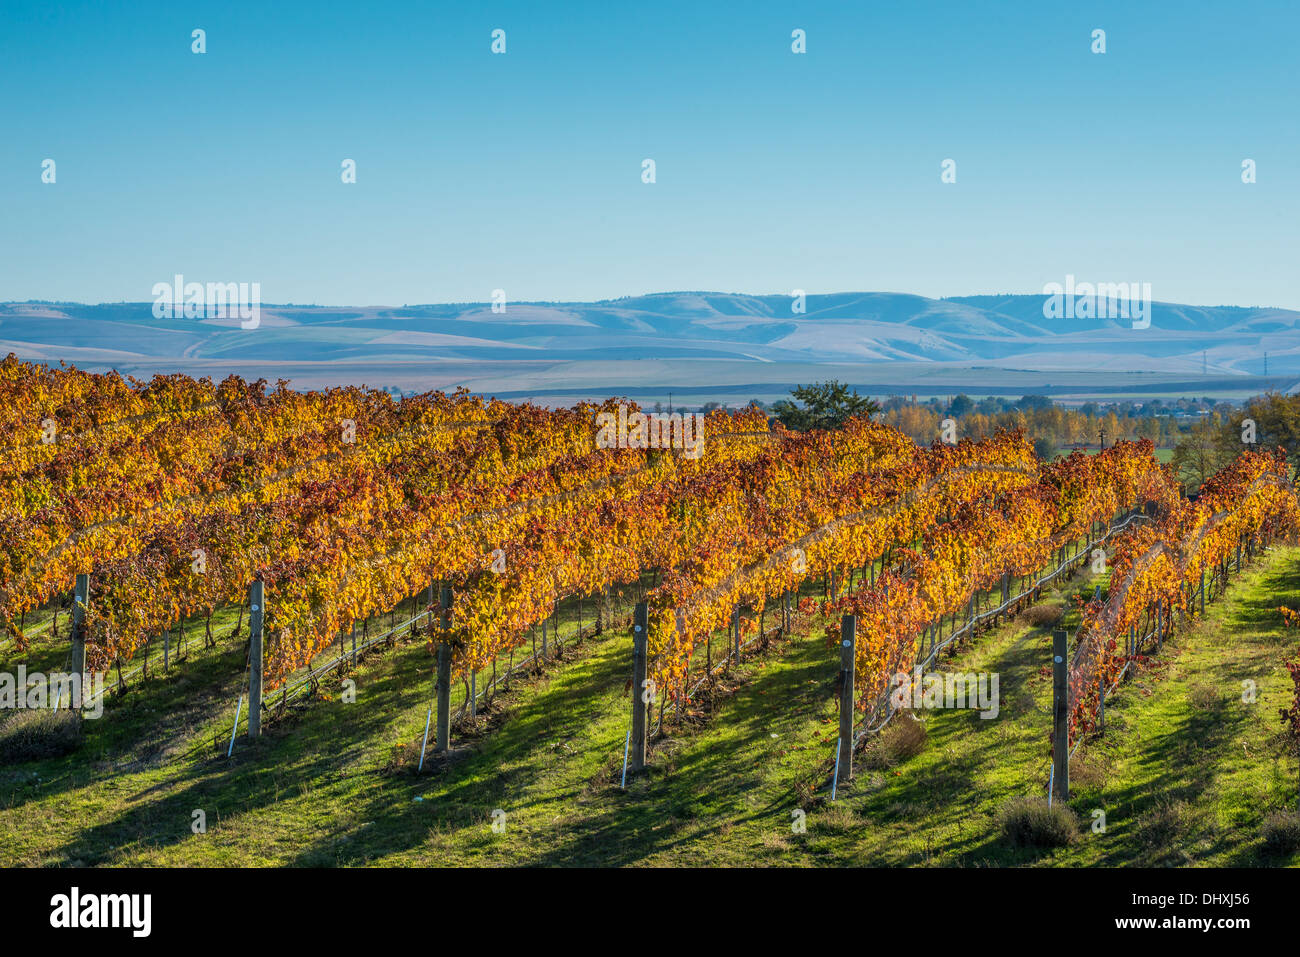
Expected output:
(334, 783)
(1177, 784)
(1163, 456)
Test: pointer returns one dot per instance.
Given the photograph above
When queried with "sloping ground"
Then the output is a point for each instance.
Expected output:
(1192, 760)
(1180, 779)
(1184, 775)
(335, 784)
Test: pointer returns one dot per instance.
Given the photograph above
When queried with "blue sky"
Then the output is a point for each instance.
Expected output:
(775, 171)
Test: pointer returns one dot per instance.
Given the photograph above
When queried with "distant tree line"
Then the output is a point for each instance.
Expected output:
(1204, 435)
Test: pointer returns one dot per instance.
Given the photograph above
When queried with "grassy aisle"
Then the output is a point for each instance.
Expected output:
(1181, 777)
(1184, 775)
(334, 784)
(306, 793)
(1193, 759)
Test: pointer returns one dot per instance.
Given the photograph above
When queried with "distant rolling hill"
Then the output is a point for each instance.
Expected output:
(697, 345)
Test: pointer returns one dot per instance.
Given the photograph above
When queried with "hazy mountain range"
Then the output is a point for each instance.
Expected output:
(698, 345)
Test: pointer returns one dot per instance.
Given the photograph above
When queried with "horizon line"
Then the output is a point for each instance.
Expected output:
(646, 295)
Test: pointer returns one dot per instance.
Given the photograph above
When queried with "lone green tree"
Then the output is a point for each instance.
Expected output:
(825, 405)
(1277, 423)
(1202, 452)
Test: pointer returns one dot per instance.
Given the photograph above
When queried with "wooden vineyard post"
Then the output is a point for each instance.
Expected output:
(1060, 718)
(444, 673)
(1101, 704)
(848, 651)
(1202, 592)
(640, 625)
(735, 632)
(256, 616)
(80, 595)
(443, 686)
(1160, 632)
(354, 644)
